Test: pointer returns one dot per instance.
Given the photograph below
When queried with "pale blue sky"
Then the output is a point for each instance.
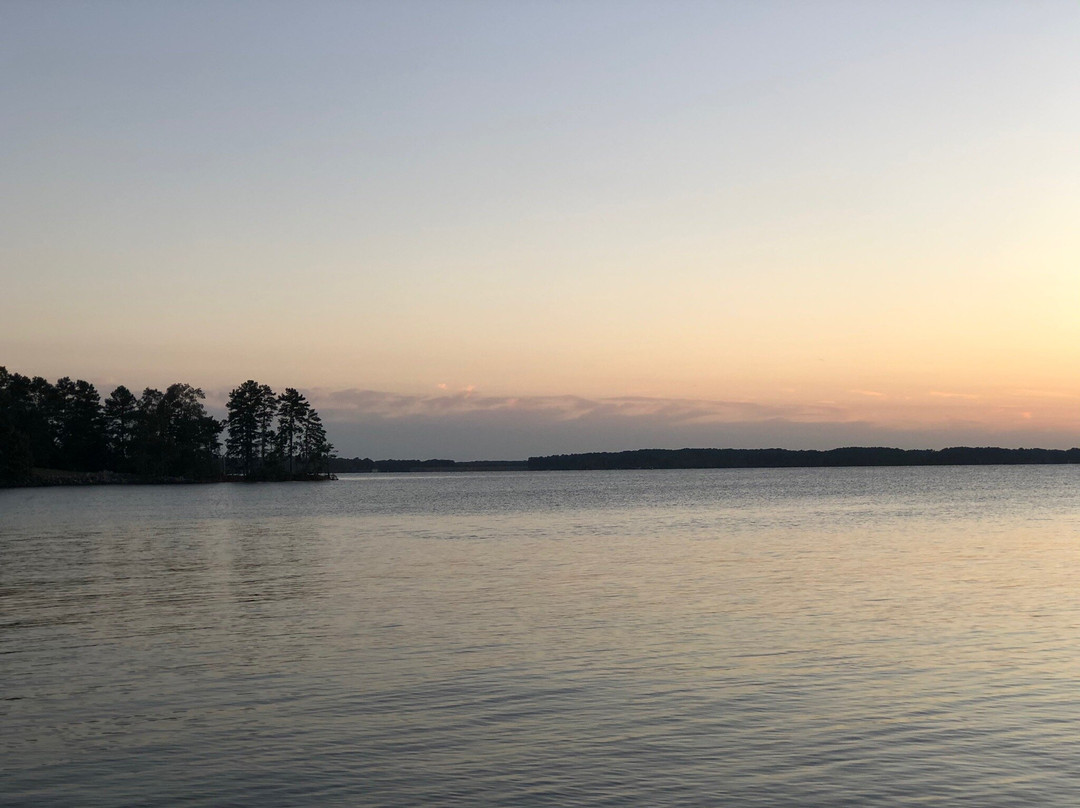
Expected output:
(854, 208)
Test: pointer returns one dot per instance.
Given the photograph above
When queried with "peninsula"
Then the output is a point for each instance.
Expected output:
(63, 434)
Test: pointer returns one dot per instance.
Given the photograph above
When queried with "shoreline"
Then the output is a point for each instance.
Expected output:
(60, 478)
(632, 460)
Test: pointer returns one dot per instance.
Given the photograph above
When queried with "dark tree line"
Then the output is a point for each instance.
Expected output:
(157, 436)
(360, 465)
(792, 458)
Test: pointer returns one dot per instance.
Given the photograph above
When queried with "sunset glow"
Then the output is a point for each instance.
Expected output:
(489, 230)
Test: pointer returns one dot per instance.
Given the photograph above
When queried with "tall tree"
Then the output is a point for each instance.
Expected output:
(149, 454)
(174, 437)
(34, 403)
(121, 413)
(251, 407)
(266, 412)
(315, 449)
(80, 429)
(190, 436)
(16, 457)
(293, 413)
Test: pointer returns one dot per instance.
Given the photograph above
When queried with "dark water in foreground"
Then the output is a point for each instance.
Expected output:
(864, 637)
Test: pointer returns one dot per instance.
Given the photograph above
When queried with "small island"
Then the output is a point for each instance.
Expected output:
(63, 434)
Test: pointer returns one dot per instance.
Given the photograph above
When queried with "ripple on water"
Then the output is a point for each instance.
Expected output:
(774, 637)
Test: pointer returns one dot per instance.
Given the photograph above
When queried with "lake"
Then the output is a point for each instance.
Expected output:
(795, 637)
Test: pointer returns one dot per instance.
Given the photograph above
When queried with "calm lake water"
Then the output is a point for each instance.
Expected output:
(864, 637)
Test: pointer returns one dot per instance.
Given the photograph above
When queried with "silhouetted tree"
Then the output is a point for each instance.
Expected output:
(293, 414)
(266, 412)
(173, 435)
(121, 413)
(149, 455)
(190, 437)
(314, 448)
(80, 429)
(33, 403)
(252, 407)
(156, 436)
(16, 459)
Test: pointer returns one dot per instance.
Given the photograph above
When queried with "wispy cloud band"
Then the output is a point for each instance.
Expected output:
(369, 403)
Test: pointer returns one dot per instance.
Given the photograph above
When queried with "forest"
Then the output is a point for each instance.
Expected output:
(808, 458)
(63, 432)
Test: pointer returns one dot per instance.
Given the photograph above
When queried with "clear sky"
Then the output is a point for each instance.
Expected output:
(493, 229)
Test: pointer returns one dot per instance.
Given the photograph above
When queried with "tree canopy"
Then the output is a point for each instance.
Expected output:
(274, 437)
(157, 436)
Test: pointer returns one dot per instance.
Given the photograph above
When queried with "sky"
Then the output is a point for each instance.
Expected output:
(498, 229)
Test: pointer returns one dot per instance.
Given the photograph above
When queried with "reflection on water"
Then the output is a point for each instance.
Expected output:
(772, 637)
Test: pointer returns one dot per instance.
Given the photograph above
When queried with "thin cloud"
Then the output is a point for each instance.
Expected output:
(375, 403)
(944, 394)
(1043, 394)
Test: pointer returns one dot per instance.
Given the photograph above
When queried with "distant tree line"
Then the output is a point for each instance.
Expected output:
(809, 458)
(157, 436)
(354, 465)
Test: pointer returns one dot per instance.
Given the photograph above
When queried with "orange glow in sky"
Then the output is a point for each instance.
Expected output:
(790, 214)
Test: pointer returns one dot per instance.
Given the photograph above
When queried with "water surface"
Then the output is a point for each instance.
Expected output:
(883, 636)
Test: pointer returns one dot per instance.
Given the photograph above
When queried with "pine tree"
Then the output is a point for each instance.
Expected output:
(190, 435)
(121, 413)
(252, 407)
(315, 449)
(293, 413)
(149, 453)
(80, 428)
